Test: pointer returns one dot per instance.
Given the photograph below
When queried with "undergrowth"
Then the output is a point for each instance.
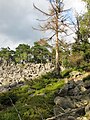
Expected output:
(34, 101)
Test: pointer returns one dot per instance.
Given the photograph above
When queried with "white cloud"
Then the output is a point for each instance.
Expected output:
(17, 17)
(77, 5)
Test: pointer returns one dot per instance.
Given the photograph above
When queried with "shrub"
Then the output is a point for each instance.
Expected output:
(65, 73)
(5, 99)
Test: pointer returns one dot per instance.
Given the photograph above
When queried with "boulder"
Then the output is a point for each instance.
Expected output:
(63, 102)
(75, 74)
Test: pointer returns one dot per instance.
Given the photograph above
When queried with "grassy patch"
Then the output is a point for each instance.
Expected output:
(33, 101)
(65, 73)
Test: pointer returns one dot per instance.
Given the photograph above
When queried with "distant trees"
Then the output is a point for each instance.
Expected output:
(6, 54)
(38, 53)
(22, 53)
(72, 55)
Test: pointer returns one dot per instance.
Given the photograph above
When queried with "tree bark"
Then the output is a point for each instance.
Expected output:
(57, 42)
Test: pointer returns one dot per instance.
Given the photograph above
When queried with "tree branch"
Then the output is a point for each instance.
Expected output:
(15, 109)
(62, 114)
(42, 11)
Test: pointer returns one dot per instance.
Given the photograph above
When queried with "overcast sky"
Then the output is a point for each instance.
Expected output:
(17, 17)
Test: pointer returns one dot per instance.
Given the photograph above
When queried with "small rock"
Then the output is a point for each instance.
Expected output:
(84, 118)
(87, 108)
(71, 118)
(80, 111)
(76, 91)
(63, 102)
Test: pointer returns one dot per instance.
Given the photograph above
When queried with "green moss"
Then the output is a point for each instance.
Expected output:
(50, 87)
(34, 101)
(65, 73)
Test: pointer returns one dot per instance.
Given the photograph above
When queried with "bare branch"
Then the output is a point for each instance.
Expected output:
(42, 11)
(68, 27)
(44, 19)
(62, 114)
(15, 109)
(64, 11)
(68, 35)
(36, 29)
(51, 37)
(52, 5)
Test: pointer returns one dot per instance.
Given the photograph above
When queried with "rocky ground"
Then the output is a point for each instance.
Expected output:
(73, 100)
(13, 75)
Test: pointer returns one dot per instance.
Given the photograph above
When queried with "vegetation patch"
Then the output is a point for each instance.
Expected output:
(33, 101)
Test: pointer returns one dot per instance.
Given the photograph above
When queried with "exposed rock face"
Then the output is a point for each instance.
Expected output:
(73, 101)
(12, 75)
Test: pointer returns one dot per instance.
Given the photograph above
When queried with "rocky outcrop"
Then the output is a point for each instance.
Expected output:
(13, 75)
(73, 101)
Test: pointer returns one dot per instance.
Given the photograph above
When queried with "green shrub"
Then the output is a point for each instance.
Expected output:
(65, 73)
(5, 98)
(8, 116)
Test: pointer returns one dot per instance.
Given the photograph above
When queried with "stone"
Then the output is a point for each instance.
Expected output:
(71, 118)
(84, 118)
(73, 100)
(87, 84)
(5, 84)
(76, 91)
(63, 102)
(75, 74)
(71, 84)
(87, 108)
(16, 73)
(58, 110)
(13, 84)
(63, 91)
(83, 89)
(80, 111)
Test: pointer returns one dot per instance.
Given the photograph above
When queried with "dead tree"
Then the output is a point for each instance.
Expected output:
(55, 22)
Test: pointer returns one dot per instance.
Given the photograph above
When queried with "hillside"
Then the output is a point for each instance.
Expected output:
(48, 97)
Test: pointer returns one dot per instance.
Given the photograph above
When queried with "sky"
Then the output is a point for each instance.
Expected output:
(18, 17)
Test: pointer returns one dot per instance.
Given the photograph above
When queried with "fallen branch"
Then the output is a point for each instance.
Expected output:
(15, 109)
(62, 114)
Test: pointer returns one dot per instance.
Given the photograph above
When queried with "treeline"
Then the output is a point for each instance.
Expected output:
(38, 53)
(75, 55)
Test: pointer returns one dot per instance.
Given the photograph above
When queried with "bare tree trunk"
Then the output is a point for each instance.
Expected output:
(57, 43)
(53, 23)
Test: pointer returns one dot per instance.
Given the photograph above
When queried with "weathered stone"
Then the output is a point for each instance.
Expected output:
(63, 91)
(77, 93)
(83, 89)
(87, 108)
(75, 74)
(16, 73)
(71, 84)
(80, 111)
(14, 84)
(82, 118)
(87, 84)
(58, 110)
(63, 102)
(5, 84)
(71, 118)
